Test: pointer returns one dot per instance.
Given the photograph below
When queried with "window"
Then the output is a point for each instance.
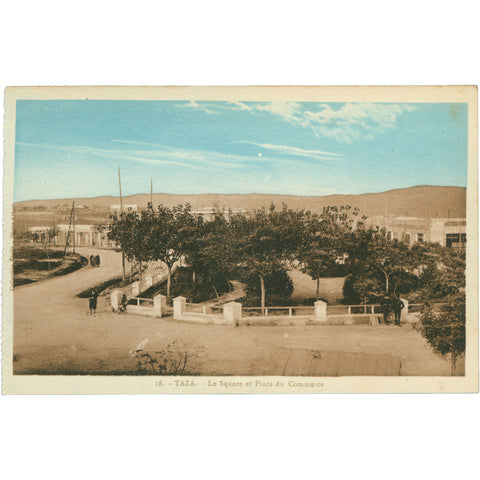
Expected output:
(389, 235)
(420, 237)
(452, 239)
(395, 235)
(463, 238)
(407, 238)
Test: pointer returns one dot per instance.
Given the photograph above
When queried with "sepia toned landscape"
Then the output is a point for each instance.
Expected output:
(191, 240)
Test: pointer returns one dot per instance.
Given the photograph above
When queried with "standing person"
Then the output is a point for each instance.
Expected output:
(97, 260)
(386, 308)
(123, 304)
(397, 309)
(91, 260)
(92, 302)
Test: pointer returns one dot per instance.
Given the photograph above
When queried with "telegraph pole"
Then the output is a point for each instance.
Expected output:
(151, 191)
(121, 217)
(73, 213)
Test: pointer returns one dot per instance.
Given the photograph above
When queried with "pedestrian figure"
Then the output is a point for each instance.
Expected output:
(123, 305)
(398, 305)
(386, 308)
(97, 260)
(92, 302)
(92, 259)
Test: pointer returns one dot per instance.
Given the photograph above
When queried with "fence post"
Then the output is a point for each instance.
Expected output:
(115, 299)
(289, 312)
(349, 310)
(159, 304)
(232, 313)
(135, 289)
(179, 307)
(321, 311)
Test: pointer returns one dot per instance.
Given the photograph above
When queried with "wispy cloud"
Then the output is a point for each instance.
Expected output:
(347, 123)
(158, 154)
(300, 152)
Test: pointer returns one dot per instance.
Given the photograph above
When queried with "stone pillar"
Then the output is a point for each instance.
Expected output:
(179, 307)
(159, 304)
(232, 313)
(115, 299)
(148, 281)
(404, 315)
(135, 289)
(321, 311)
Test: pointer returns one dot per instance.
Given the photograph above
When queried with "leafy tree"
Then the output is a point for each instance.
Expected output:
(169, 234)
(277, 282)
(324, 240)
(208, 252)
(444, 330)
(266, 241)
(375, 255)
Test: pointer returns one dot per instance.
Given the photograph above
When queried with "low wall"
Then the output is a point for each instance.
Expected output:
(144, 311)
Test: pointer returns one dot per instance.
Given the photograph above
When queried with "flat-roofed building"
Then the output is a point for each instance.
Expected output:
(448, 232)
(126, 208)
(83, 236)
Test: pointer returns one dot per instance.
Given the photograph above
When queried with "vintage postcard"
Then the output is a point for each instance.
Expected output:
(240, 240)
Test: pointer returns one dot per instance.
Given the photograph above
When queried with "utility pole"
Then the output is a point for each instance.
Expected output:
(151, 191)
(72, 213)
(73, 210)
(121, 217)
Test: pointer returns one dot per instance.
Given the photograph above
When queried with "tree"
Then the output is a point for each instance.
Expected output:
(444, 330)
(208, 253)
(169, 234)
(372, 253)
(266, 242)
(324, 241)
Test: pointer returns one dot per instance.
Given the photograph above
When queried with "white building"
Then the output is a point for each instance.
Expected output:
(448, 232)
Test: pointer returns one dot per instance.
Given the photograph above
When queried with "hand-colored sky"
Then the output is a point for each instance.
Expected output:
(71, 148)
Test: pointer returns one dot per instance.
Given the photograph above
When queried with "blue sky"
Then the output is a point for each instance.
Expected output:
(71, 148)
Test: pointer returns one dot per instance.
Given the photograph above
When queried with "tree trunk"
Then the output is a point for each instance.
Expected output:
(386, 283)
(193, 278)
(169, 279)
(453, 365)
(317, 295)
(262, 293)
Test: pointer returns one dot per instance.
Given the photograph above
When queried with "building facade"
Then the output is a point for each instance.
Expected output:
(448, 232)
(83, 236)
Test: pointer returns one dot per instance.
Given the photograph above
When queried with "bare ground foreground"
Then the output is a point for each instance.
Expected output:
(53, 334)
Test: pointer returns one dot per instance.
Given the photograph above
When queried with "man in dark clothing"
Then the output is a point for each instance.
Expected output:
(92, 302)
(397, 309)
(123, 305)
(97, 260)
(386, 303)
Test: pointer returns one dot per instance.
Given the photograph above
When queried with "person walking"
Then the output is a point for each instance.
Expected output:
(398, 306)
(97, 260)
(386, 303)
(92, 302)
(123, 304)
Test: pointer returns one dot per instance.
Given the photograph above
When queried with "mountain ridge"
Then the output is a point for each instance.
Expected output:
(421, 200)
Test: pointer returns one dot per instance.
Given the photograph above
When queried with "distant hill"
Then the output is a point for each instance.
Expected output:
(429, 201)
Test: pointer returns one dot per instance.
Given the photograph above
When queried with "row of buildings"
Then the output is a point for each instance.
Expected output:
(94, 235)
(448, 232)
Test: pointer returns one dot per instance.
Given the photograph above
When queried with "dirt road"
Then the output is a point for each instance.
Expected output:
(53, 334)
(45, 310)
